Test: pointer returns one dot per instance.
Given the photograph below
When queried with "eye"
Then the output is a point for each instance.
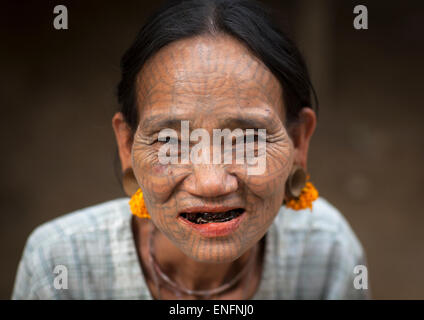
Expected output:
(167, 139)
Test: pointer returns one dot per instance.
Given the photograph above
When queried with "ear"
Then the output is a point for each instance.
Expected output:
(124, 138)
(301, 133)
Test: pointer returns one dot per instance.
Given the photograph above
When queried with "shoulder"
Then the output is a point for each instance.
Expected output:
(79, 241)
(323, 220)
(80, 224)
(320, 248)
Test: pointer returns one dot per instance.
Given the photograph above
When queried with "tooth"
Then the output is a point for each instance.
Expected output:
(201, 220)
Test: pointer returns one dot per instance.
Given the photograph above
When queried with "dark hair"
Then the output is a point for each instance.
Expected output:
(245, 20)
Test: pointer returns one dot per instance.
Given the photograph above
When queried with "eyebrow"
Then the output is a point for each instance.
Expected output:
(245, 122)
(160, 121)
(154, 125)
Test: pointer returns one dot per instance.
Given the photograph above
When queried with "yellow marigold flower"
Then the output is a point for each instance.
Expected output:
(308, 195)
(137, 205)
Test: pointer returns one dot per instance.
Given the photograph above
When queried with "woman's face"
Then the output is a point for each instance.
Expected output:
(213, 83)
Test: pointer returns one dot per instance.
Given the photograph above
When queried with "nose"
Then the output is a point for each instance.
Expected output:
(210, 181)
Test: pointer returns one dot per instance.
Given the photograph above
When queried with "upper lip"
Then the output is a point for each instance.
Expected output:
(209, 209)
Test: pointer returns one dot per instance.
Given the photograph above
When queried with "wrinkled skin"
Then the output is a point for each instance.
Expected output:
(214, 82)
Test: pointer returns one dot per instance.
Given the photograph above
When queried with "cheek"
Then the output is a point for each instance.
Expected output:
(271, 184)
(265, 192)
(161, 170)
(155, 179)
(158, 183)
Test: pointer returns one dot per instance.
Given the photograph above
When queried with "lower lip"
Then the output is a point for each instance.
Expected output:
(215, 229)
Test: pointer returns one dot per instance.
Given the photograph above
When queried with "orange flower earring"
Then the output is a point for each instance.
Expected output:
(137, 205)
(132, 189)
(300, 192)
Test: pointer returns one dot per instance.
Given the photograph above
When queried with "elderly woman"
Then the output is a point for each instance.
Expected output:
(242, 224)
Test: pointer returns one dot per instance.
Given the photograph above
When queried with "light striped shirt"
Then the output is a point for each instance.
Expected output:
(308, 255)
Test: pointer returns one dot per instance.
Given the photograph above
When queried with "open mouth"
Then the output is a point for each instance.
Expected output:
(212, 217)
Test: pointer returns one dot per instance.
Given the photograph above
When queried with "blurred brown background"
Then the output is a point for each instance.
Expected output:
(57, 96)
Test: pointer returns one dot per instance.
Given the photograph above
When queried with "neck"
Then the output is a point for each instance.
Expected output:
(192, 274)
(183, 270)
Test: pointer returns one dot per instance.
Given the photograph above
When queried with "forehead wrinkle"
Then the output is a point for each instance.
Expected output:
(216, 68)
(200, 58)
(251, 119)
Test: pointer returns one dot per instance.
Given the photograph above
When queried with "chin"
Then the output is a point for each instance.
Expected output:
(217, 250)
